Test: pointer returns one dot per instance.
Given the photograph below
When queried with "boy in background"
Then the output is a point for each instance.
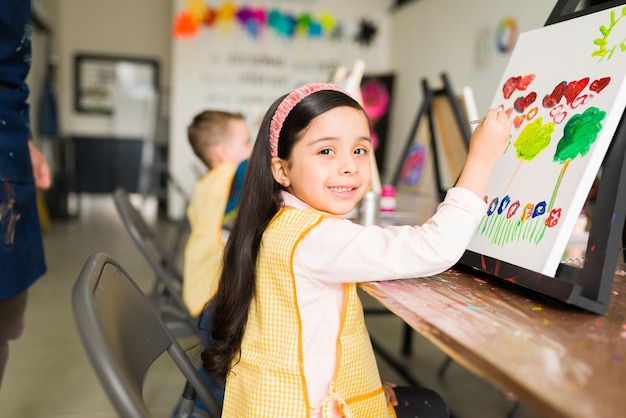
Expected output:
(222, 141)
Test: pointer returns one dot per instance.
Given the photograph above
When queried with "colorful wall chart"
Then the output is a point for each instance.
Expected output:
(564, 89)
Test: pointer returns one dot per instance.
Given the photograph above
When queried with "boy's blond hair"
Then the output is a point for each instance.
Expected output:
(208, 128)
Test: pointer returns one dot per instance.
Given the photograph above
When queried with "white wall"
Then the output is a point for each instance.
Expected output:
(425, 38)
(139, 28)
(434, 36)
(227, 68)
(420, 39)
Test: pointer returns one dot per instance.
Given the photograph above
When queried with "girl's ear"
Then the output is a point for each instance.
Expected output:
(280, 171)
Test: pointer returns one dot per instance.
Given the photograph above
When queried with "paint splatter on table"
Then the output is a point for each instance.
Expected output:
(555, 358)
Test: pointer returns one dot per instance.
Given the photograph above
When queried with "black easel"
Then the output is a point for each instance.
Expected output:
(589, 287)
(566, 9)
(427, 110)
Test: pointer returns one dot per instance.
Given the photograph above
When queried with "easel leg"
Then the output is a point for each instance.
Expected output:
(624, 242)
(407, 341)
(517, 409)
(444, 366)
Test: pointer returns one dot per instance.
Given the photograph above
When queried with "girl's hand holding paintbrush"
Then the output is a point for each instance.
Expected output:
(487, 145)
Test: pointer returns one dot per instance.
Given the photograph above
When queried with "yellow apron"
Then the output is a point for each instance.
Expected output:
(267, 380)
(205, 247)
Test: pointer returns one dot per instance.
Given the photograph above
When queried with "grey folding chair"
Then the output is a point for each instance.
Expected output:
(182, 228)
(166, 292)
(123, 335)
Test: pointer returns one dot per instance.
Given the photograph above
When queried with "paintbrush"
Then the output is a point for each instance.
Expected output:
(477, 121)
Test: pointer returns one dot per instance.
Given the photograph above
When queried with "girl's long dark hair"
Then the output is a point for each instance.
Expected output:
(260, 201)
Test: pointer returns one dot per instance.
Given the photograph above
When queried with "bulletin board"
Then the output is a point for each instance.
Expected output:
(377, 92)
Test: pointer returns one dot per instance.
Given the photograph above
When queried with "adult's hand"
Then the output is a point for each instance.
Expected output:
(41, 169)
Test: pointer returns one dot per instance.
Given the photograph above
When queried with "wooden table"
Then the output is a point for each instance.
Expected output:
(556, 359)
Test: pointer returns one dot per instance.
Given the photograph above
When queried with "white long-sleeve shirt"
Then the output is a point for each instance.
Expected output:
(339, 251)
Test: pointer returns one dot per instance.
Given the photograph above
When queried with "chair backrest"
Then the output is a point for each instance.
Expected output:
(123, 335)
(183, 227)
(143, 235)
(167, 292)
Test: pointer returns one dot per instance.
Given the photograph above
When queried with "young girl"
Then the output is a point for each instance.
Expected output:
(289, 337)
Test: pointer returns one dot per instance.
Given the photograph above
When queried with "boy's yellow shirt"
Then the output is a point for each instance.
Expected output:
(205, 247)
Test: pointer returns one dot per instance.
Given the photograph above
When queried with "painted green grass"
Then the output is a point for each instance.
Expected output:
(502, 231)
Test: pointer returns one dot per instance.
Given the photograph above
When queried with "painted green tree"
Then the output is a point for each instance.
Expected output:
(533, 139)
(579, 133)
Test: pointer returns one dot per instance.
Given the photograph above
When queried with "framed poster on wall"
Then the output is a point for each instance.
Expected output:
(97, 77)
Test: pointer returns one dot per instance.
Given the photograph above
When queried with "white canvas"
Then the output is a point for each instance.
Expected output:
(534, 201)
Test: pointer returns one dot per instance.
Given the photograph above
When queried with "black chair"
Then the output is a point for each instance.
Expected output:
(166, 292)
(123, 335)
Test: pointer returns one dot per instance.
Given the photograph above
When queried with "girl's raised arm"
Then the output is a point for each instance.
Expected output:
(487, 145)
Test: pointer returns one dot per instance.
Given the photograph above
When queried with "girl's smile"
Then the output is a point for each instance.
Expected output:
(329, 168)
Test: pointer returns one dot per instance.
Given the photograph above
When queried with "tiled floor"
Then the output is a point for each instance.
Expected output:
(49, 375)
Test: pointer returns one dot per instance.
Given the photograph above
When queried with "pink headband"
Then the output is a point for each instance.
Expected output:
(288, 104)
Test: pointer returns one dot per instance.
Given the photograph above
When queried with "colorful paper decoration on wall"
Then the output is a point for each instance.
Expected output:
(197, 15)
(366, 32)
